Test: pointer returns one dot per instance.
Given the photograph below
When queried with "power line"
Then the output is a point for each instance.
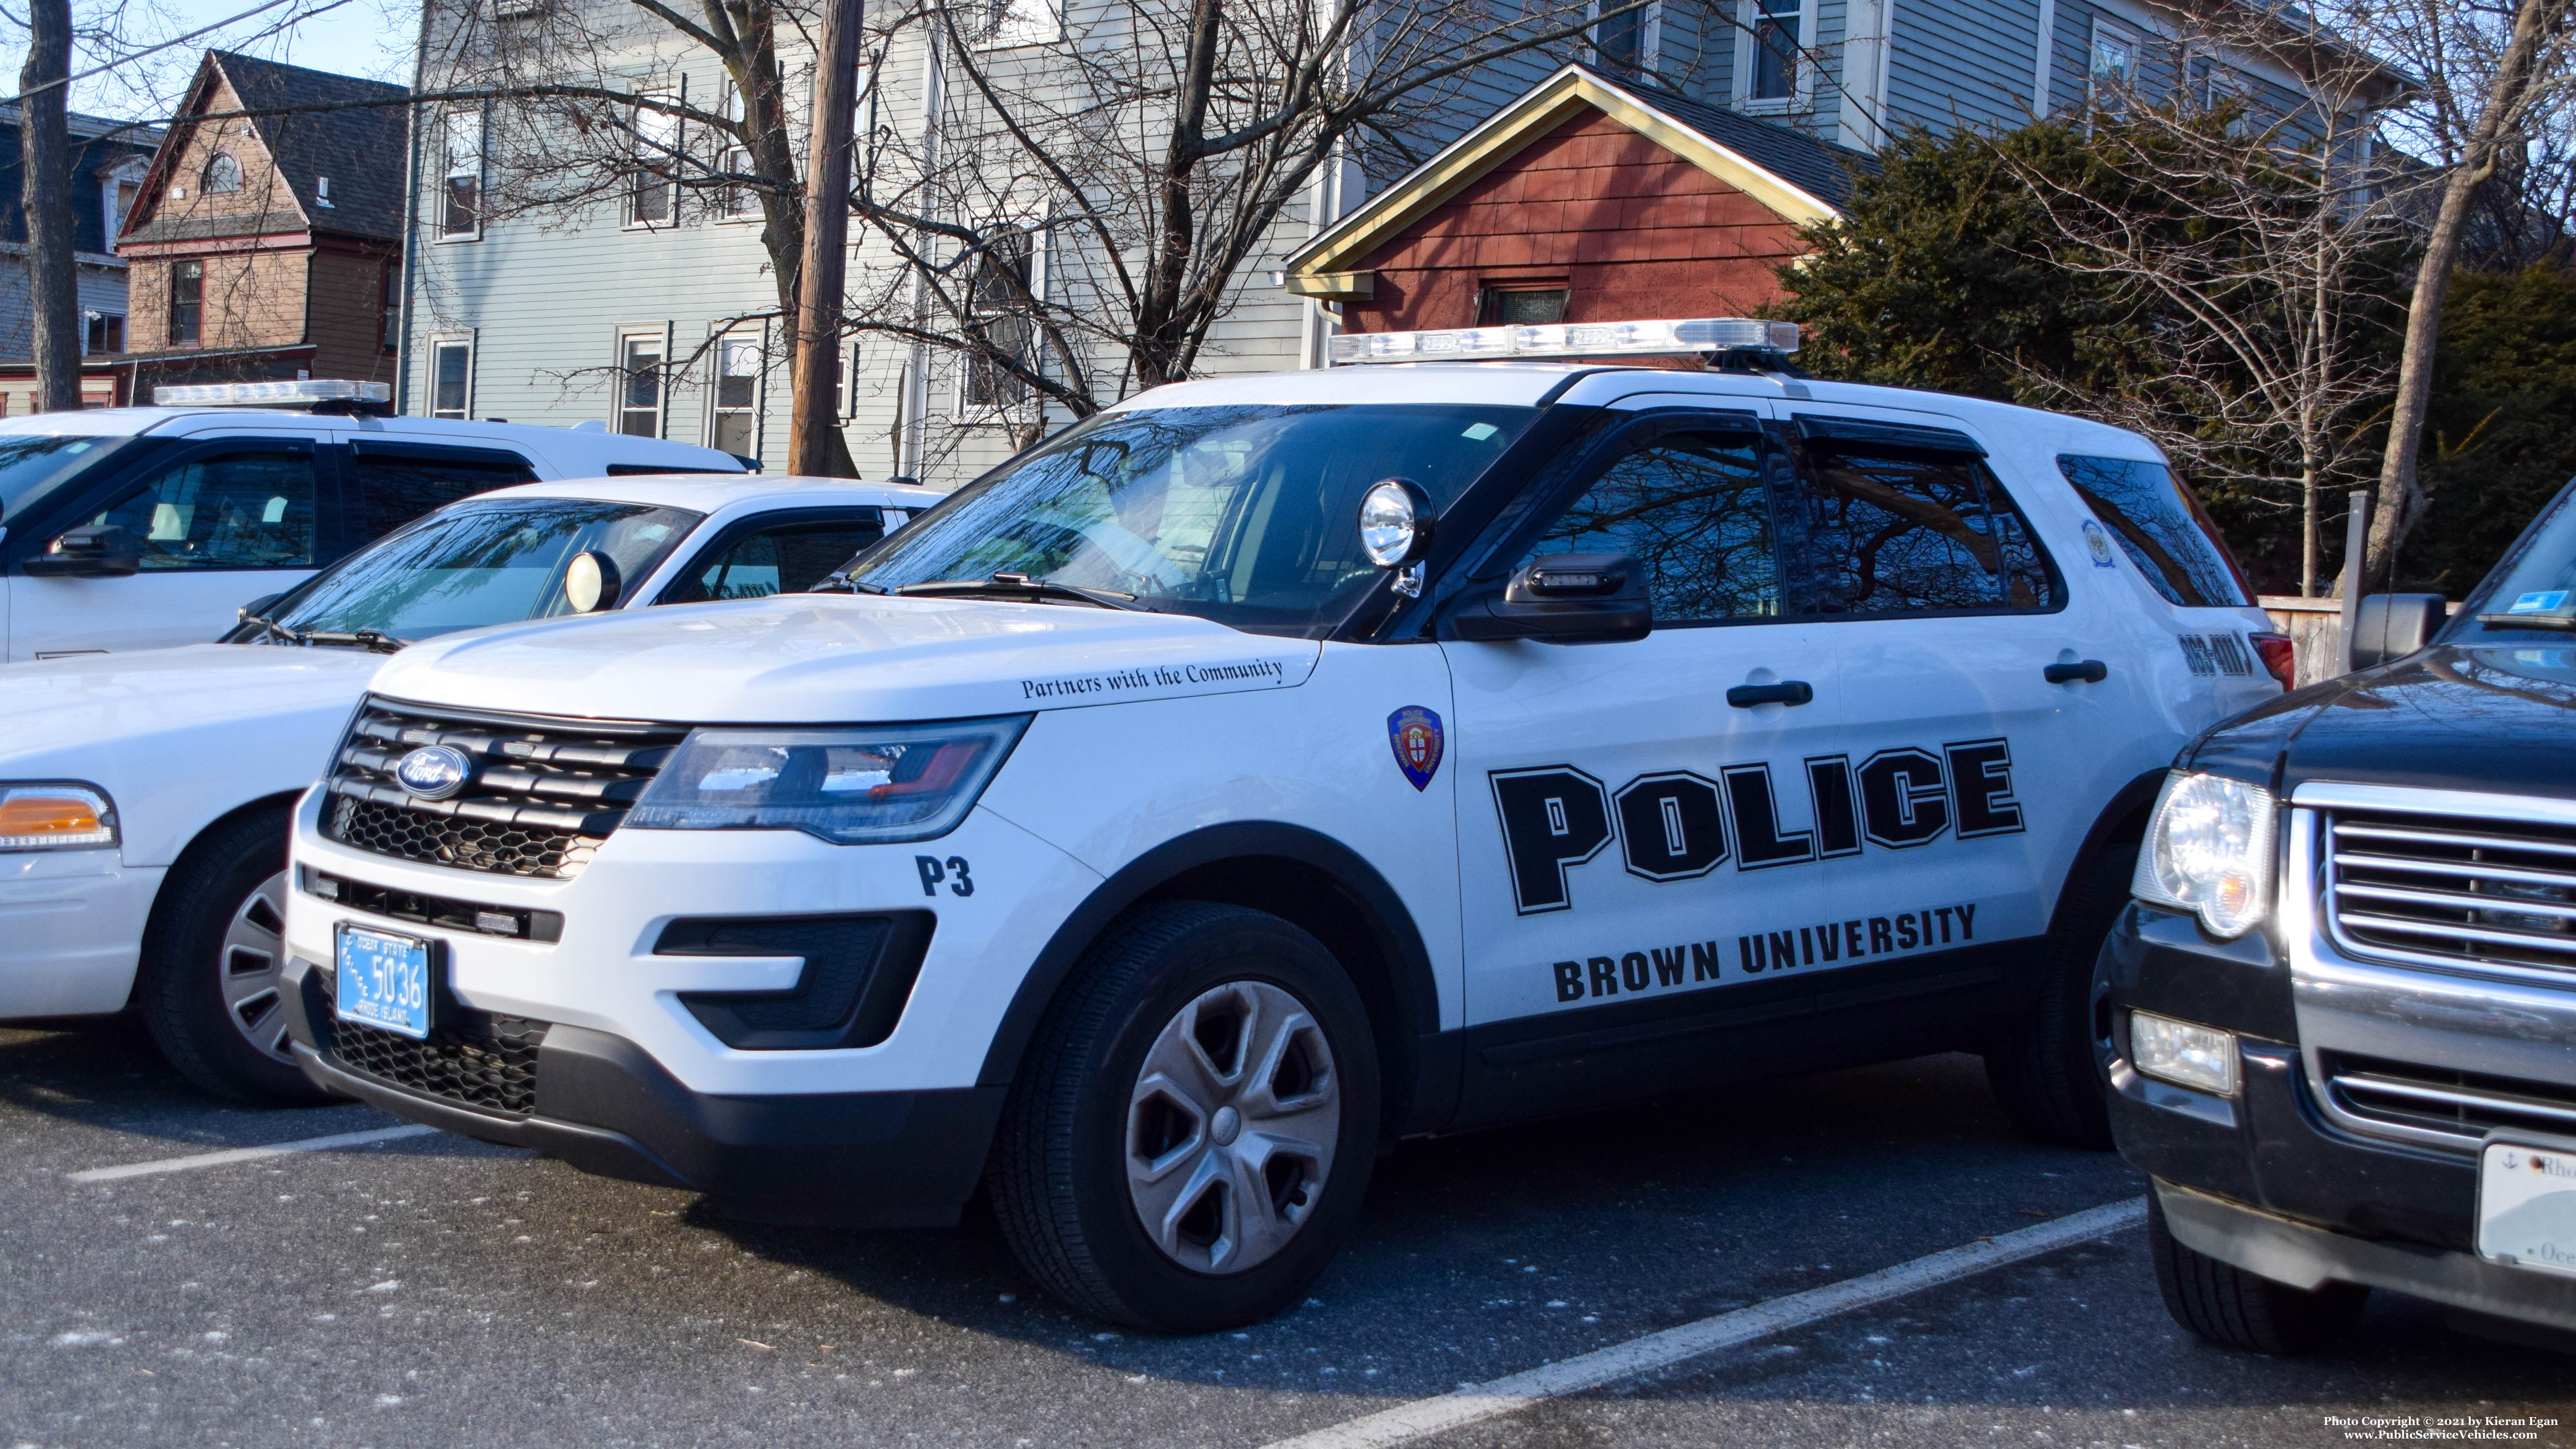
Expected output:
(165, 45)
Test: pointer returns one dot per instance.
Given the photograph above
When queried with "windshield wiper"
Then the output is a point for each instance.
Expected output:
(1021, 586)
(274, 629)
(381, 643)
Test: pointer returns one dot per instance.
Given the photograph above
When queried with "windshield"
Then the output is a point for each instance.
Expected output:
(32, 465)
(1248, 515)
(475, 563)
(2533, 594)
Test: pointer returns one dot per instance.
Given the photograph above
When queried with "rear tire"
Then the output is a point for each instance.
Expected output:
(209, 989)
(2041, 1067)
(2233, 1308)
(1191, 1136)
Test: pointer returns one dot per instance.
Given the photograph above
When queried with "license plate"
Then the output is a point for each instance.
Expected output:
(383, 981)
(2527, 1206)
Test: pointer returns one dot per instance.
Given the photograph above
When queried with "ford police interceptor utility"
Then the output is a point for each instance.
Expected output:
(1269, 768)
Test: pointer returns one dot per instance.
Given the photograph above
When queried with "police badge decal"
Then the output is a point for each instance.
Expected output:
(1415, 733)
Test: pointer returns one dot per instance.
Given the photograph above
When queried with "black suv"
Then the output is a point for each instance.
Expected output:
(2338, 1023)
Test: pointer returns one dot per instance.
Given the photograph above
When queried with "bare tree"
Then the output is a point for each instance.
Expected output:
(2252, 227)
(2494, 75)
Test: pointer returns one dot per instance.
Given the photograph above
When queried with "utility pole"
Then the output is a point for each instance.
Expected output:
(44, 169)
(811, 447)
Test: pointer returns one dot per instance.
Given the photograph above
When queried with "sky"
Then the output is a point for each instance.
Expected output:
(369, 38)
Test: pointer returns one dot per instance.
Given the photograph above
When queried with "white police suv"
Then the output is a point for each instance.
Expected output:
(140, 528)
(1267, 769)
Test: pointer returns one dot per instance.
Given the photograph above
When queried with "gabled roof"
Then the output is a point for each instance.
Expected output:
(359, 146)
(1800, 177)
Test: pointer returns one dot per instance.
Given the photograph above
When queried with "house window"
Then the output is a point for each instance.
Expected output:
(461, 199)
(1520, 304)
(1021, 22)
(451, 379)
(736, 199)
(2115, 63)
(187, 302)
(639, 391)
(1626, 41)
(653, 194)
(737, 395)
(998, 321)
(106, 332)
(1779, 28)
(223, 174)
(391, 300)
(117, 194)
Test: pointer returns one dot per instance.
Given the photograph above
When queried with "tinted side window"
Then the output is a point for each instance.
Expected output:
(787, 559)
(2158, 527)
(1691, 507)
(246, 510)
(392, 490)
(1894, 530)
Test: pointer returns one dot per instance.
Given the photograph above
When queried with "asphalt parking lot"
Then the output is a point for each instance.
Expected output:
(427, 1290)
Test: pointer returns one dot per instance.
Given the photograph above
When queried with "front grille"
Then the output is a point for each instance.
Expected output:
(2465, 1105)
(543, 794)
(2447, 888)
(474, 1059)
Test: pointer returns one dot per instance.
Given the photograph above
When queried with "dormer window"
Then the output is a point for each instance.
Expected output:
(223, 174)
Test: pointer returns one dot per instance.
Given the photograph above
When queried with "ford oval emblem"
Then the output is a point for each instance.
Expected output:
(434, 772)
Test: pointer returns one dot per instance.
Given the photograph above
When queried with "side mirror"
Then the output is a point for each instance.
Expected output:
(95, 551)
(2392, 626)
(591, 582)
(1564, 598)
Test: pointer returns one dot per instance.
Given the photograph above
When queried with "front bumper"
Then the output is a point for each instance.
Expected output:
(71, 930)
(2271, 1180)
(856, 1159)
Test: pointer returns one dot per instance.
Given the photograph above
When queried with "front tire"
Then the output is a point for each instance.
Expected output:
(2233, 1308)
(1191, 1136)
(209, 989)
(2041, 1068)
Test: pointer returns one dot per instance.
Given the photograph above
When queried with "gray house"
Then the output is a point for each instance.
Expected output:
(108, 161)
(639, 306)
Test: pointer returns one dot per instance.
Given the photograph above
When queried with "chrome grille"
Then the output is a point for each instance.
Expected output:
(2479, 892)
(2464, 1105)
(545, 792)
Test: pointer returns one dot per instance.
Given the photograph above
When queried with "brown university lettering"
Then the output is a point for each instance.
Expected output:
(1821, 943)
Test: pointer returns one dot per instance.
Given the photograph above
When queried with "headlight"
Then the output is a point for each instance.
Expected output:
(55, 815)
(849, 786)
(2209, 851)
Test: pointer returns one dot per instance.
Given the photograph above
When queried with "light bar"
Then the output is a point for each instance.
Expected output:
(1685, 337)
(270, 394)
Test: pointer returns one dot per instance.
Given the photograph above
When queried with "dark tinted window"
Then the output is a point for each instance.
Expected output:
(35, 465)
(787, 559)
(248, 510)
(1894, 530)
(393, 490)
(2158, 527)
(1691, 507)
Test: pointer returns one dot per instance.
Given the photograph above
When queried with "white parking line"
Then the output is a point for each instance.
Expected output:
(1725, 1330)
(248, 1154)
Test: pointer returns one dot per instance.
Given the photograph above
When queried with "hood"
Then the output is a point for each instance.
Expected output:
(2497, 720)
(56, 713)
(821, 658)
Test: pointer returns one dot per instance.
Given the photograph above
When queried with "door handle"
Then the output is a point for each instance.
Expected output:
(1787, 691)
(2089, 671)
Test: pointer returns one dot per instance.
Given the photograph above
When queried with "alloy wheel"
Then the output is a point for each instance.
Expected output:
(249, 961)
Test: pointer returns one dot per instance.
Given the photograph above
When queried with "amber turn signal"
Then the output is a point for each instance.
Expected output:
(54, 817)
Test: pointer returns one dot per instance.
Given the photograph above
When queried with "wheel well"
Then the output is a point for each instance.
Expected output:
(2122, 822)
(1313, 900)
(152, 919)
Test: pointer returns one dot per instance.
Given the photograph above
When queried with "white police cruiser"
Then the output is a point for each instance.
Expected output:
(141, 528)
(1267, 769)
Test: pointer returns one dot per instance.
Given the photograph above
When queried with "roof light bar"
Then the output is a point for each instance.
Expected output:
(306, 391)
(1684, 337)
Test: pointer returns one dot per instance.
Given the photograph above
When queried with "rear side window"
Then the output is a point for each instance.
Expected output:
(790, 558)
(1898, 530)
(2160, 528)
(395, 487)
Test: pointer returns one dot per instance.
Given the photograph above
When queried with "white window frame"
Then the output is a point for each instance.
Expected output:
(2109, 34)
(1650, 36)
(659, 334)
(1037, 237)
(129, 172)
(1011, 23)
(657, 133)
(1802, 89)
(101, 317)
(440, 343)
(452, 166)
(727, 209)
(757, 339)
